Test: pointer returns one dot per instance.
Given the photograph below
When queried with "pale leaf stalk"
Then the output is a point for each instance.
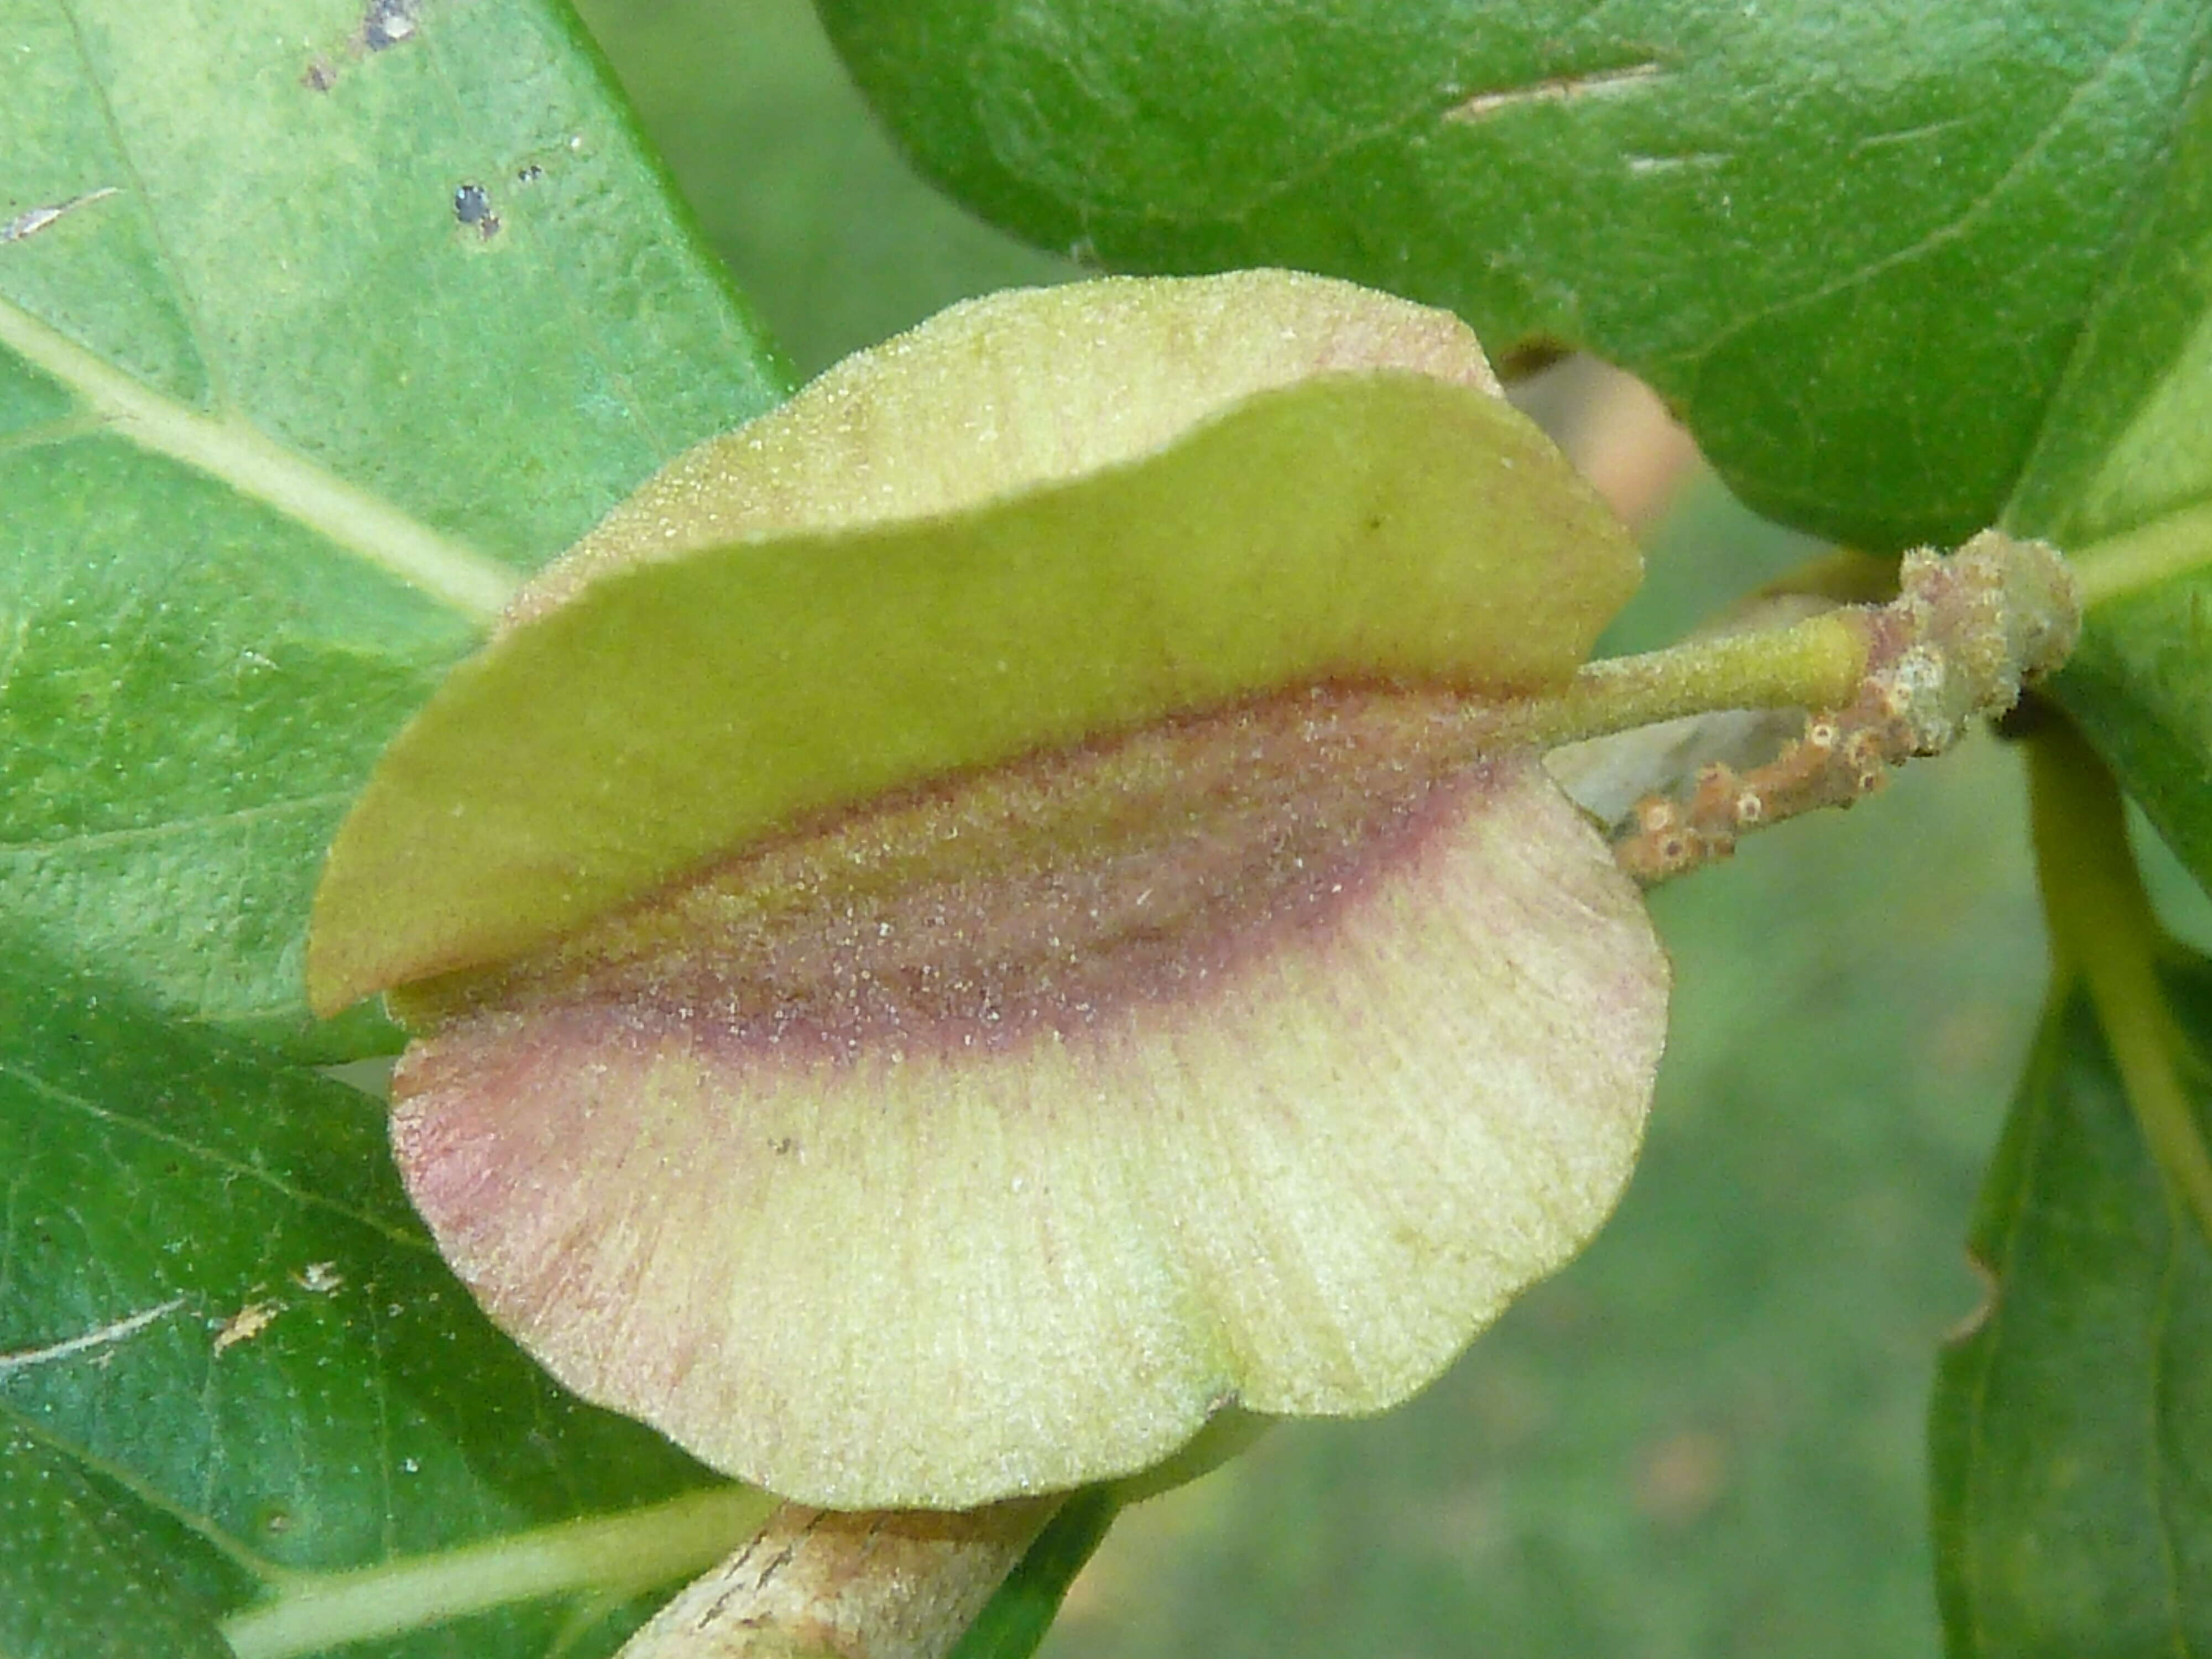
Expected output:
(2156, 552)
(2103, 932)
(622, 1555)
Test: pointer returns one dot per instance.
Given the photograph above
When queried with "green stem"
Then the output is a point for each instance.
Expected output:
(620, 1555)
(1816, 663)
(2104, 931)
(2171, 546)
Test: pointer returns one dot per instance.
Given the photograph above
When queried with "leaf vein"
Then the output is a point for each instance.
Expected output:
(140, 833)
(230, 1166)
(195, 1522)
(1965, 219)
(235, 452)
(195, 328)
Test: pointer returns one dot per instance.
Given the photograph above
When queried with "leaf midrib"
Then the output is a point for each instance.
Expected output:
(233, 1167)
(241, 455)
(204, 1527)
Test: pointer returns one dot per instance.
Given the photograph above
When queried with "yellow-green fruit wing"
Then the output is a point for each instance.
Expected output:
(1039, 519)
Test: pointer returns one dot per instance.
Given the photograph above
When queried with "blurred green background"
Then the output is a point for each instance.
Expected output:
(1705, 1437)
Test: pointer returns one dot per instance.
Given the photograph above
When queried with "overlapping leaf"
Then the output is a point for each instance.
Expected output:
(319, 324)
(1854, 244)
(2124, 473)
(231, 1350)
(2073, 1428)
(1903, 273)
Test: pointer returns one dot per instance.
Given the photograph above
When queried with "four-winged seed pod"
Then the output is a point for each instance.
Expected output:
(973, 923)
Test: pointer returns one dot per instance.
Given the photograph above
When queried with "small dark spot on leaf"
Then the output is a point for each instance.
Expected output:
(387, 22)
(472, 206)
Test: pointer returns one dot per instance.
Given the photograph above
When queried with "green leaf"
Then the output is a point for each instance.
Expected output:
(1854, 246)
(77, 1580)
(2127, 439)
(2140, 684)
(2124, 476)
(265, 1365)
(1016, 1618)
(283, 419)
(2072, 1428)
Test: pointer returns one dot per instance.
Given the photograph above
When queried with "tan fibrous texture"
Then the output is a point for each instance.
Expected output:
(1966, 634)
(815, 1585)
(987, 1141)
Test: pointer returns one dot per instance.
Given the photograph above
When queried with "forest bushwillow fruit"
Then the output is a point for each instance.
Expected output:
(982, 919)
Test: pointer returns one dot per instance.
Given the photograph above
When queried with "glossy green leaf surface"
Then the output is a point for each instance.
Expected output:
(77, 1579)
(270, 1372)
(2072, 1428)
(320, 326)
(1854, 244)
(1016, 1618)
